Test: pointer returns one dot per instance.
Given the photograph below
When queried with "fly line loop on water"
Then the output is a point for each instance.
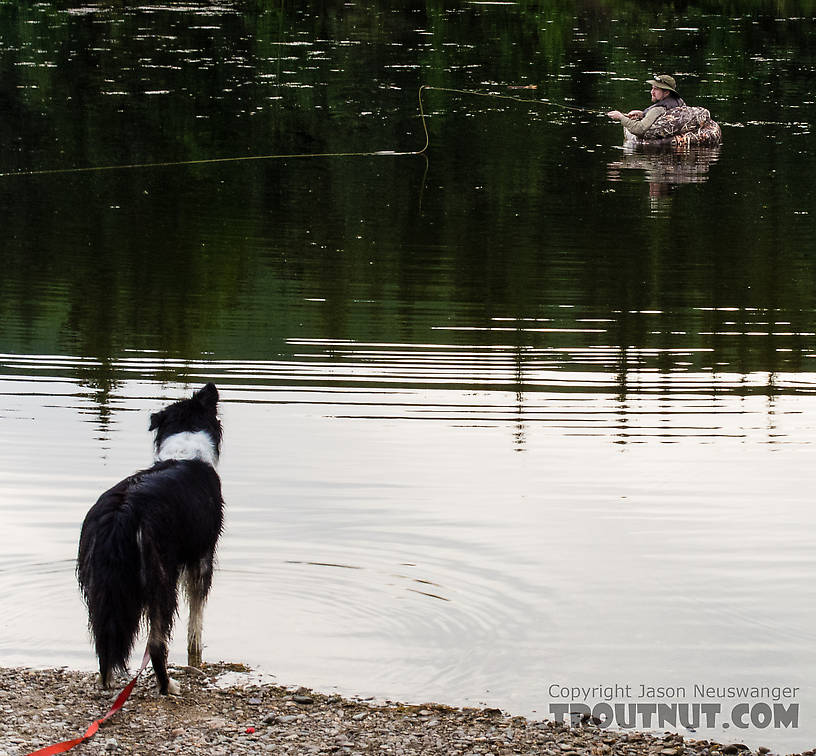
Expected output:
(296, 156)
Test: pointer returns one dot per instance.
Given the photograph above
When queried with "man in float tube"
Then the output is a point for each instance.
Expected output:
(664, 97)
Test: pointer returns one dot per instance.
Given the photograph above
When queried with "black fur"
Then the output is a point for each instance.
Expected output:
(147, 532)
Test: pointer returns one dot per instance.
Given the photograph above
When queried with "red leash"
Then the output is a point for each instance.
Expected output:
(94, 726)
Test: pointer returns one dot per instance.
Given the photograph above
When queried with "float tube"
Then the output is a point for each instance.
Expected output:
(682, 126)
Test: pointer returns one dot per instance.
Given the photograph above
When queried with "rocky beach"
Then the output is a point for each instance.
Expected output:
(227, 710)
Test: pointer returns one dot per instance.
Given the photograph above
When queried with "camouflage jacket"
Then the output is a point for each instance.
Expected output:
(640, 126)
(680, 120)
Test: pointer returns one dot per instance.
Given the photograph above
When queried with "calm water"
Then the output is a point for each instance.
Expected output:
(530, 411)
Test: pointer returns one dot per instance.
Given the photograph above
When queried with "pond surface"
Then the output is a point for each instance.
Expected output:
(526, 412)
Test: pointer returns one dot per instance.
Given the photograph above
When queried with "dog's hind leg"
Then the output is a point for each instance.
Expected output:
(197, 582)
(157, 645)
(161, 611)
(105, 675)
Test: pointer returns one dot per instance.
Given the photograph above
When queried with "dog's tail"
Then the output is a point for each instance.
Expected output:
(110, 575)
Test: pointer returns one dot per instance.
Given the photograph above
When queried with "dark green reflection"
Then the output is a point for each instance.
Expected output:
(516, 213)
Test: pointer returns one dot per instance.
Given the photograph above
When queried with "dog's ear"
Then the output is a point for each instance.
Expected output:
(156, 420)
(208, 396)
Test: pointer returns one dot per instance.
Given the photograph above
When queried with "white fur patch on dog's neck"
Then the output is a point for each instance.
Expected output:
(188, 445)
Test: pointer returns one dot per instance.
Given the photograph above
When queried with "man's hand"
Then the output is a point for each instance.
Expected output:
(615, 115)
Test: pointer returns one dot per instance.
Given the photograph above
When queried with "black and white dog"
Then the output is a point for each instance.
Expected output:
(148, 532)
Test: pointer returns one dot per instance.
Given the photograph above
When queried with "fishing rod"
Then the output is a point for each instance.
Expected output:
(475, 93)
(297, 156)
(515, 98)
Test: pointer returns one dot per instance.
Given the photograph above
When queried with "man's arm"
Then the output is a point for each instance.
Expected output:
(639, 127)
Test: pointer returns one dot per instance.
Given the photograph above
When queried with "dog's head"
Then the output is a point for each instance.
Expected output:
(198, 413)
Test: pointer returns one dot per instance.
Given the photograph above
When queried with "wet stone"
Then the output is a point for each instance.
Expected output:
(205, 720)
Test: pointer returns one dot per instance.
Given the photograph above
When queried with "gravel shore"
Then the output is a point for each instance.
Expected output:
(225, 710)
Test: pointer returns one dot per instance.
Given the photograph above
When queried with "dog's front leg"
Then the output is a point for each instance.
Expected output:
(194, 629)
